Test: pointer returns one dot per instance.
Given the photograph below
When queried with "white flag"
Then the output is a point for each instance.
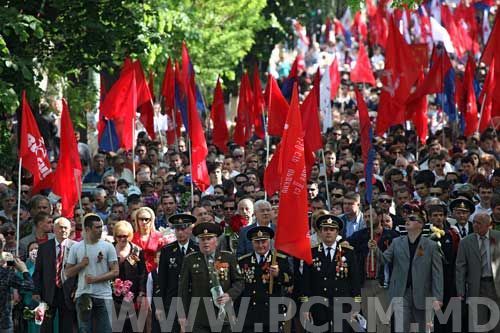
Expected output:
(440, 34)
(324, 100)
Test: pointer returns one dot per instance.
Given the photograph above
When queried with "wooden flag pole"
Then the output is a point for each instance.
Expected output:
(372, 257)
(271, 278)
(326, 181)
(18, 205)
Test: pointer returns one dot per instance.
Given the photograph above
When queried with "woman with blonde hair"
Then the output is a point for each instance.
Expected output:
(146, 236)
(132, 268)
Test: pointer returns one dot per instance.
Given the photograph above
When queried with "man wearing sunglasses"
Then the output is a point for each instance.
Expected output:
(417, 273)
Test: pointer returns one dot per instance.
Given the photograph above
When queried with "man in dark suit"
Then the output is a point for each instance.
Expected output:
(172, 257)
(462, 209)
(51, 285)
(334, 273)
(263, 217)
(257, 268)
(209, 274)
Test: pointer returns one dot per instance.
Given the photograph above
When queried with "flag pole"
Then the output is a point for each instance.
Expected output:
(481, 113)
(326, 180)
(18, 205)
(271, 278)
(110, 135)
(266, 133)
(372, 257)
(133, 147)
(191, 164)
(416, 147)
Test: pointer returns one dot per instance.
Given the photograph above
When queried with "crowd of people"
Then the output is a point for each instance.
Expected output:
(431, 231)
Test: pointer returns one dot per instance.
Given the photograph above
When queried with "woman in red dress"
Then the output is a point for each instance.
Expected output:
(146, 237)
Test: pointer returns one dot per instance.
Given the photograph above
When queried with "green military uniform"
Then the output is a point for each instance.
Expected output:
(195, 280)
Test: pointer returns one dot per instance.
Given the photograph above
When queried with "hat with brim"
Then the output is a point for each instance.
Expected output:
(462, 204)
(181, 220)
(260, 233)
(329, 221)
(207, 229)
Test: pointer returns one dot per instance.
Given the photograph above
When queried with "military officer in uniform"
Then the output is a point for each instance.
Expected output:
(334, 273)
(257, 267)
(172, 257)
(210, 274)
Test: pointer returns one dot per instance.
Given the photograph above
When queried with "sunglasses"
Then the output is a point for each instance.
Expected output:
(336, 195)
(435, 194)
(147, 219)
(238, 156)
(274, 202)
(384, 200)
(217, 206)
(10, 233)
(253, 161)
(414, 218)
(229, 208)
(121, 236)
(158, 183)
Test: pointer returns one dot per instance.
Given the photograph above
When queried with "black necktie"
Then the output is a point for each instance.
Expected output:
(328, 253)
(183, 251)
(261, 260)
(464, 232)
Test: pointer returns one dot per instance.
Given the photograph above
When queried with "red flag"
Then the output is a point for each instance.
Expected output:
(310, 118)
(142, 88)
(492, 50)
(398, 77)
(220, 134)
(258, 105)
(420, 54)
(470, 115)
(120, 105)
(433, 82)
(272, 174)
(244, 121)
(334, 78)
(486, 98)
(199, 150)
(292, 228)
(168, 88)
(68, 174)
(417, 112)
(277, 107)
(32, 150)
(147, 113)
(362, 71)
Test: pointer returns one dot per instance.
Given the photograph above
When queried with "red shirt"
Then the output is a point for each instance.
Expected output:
(154, 244)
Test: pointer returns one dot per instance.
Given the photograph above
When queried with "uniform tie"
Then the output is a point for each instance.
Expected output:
(464, 232)
(328, 253)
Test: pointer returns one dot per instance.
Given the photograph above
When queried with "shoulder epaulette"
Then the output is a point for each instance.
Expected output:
(281, 255)
(245, 256)
(190, 254)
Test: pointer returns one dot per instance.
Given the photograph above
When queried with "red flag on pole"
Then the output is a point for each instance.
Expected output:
(120, 105)
(32, 150)
(199, 150)
(362, 71)
(243, 129)
(334, 78)
(220, 134)
(398, 77)
(491, 51)
(168, 88)
(310, 119)
(470, 111)
(272, 174)
(277, 107)
(416, 110)
(68, 175)
(486, 98)
(292, 230)
(258, 105)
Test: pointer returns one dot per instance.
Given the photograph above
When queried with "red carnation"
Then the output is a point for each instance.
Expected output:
(237, 222)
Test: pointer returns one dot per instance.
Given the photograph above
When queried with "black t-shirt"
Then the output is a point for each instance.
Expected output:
(413, 249)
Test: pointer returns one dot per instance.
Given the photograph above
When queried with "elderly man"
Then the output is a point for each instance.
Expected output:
(416, 275)
(208, 275)
(257, 268)
(51, 285)
(478, 272)
(263, 216)
(462, 209)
